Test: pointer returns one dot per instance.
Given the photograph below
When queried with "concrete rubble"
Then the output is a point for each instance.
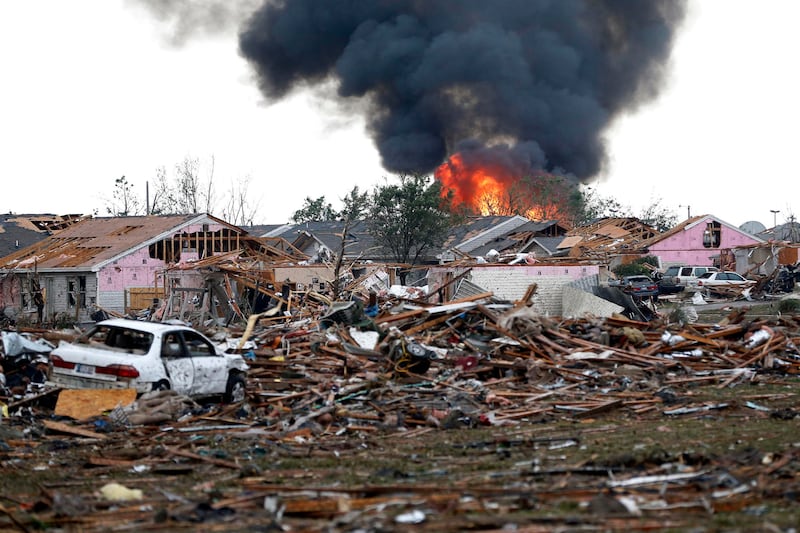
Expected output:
(338, 379)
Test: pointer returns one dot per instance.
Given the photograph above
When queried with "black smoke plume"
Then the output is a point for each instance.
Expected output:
(539, 77)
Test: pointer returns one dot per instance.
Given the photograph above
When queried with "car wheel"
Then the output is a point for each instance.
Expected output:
(235, 390)
(161, 385)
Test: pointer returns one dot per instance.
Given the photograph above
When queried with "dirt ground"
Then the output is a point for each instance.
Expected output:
(694, 454)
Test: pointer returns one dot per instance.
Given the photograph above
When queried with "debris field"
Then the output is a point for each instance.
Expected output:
(476, 414)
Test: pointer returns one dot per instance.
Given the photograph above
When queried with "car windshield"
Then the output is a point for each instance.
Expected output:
(118, 339)
(706, 275)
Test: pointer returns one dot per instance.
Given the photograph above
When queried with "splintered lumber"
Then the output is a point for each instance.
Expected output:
(729, 331)
(599, 409)
(108, 461)
(526, 298)
(349, 359)
(700, 339)
(60, 427)
(535, 350)
(488, 313)
(775, 342)
(400, 316)
(620, 321)
(209, 460)
(638, 358)
(555, 346)
(251, 324)
(32, 398)
(473, 298)
(427, 325)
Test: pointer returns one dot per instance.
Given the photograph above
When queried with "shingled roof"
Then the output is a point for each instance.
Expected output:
(93, 241)
(478, 235)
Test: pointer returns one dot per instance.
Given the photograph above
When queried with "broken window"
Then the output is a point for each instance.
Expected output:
(76, 292)
(32, 295)
(712, 235)
(196, 345)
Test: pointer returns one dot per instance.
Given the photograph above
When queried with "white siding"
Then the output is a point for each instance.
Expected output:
(112, 301)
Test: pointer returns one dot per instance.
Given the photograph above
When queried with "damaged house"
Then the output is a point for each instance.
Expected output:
(787, 232)
(776, 259)
(503, 255)
(612, 241)
(501, 235)
(566, 274)
(322, 240)
(106, 263)
(19, 231)
(700, 240)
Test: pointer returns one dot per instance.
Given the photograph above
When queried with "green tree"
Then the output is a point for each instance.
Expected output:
(658, 216)
(315, 210)
(643, 265)
(410, 218)
(593, 206)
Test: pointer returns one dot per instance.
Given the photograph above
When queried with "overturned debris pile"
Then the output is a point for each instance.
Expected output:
(481, 363)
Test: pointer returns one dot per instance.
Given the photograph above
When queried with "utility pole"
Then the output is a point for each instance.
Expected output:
(774, 217)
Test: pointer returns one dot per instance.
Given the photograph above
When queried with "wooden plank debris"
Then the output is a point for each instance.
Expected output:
(61, 427)
(317, 393)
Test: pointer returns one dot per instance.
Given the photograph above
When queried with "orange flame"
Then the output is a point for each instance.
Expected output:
(468, 186)
(491, 191)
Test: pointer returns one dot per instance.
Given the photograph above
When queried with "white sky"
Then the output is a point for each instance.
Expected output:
(91, 91)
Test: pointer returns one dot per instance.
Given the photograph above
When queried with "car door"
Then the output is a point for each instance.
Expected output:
(210, 375)
(736, 280)
(177, 362)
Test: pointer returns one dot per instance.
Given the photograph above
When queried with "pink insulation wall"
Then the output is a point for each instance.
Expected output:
(135, 270)
(139, 269)
(686, 247)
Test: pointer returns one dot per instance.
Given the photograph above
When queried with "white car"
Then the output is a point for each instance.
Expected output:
(122, 353)
(714, 280)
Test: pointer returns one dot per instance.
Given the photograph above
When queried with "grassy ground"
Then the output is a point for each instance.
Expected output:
(732, 467)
